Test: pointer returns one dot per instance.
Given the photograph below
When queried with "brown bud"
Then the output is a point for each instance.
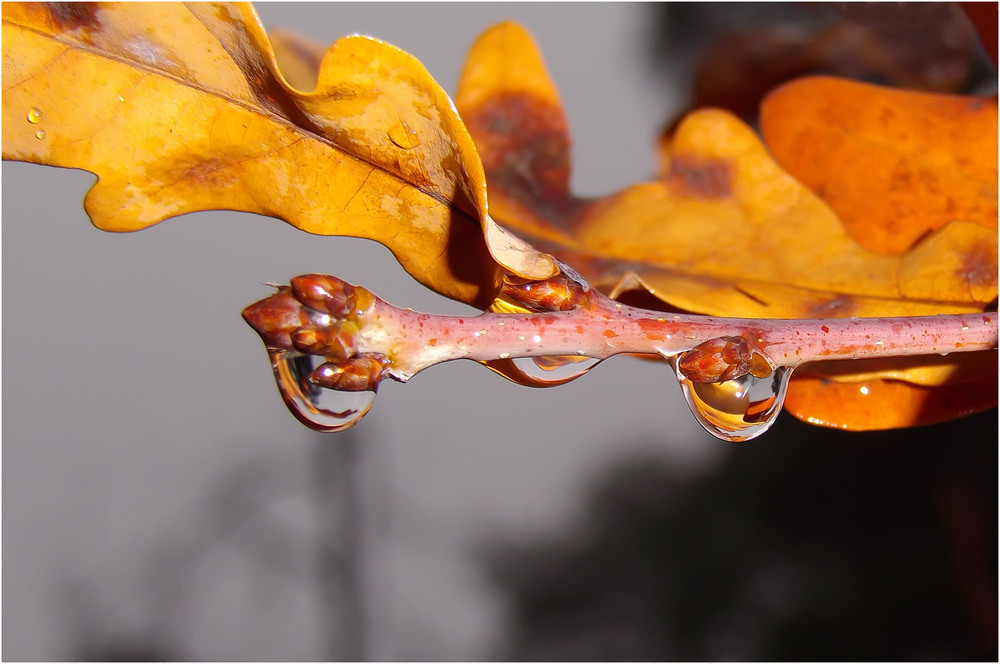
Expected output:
(560, 293)
(335, 342)
(275, 317)
(717, 360)
(357, 374)
(324, 293)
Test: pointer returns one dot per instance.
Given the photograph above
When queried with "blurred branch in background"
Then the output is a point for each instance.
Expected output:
(732, 54)
(288, 530)
(808, 545)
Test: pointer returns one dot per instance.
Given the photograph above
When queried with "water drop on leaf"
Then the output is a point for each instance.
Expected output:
(739, 409)
(34, 115)
(545, 371)
(317, 408)
(404, 136)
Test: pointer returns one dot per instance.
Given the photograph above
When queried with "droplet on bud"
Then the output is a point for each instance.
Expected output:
(317, 408)
(545, 371)
(738, 409)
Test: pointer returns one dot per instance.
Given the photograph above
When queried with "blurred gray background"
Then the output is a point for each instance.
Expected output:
(160, 503)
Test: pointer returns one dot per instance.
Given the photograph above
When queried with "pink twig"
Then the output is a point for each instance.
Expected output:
(322, 315)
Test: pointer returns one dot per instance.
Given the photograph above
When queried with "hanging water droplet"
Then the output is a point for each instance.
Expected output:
(317, 408)
(40, 134)
(739, 409)
(545, 371)
(404, 136)
(34, 115)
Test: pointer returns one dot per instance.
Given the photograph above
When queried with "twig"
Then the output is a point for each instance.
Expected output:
(365, 338)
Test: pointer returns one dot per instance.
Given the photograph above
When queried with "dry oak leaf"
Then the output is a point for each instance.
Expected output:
(725, 231)
(896, 165)
(179, 108)
(893, 164)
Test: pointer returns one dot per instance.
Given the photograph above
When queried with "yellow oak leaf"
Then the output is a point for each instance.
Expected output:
(928, 159)
(178, 108)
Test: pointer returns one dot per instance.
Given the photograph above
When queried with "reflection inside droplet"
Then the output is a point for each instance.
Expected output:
(545, 371)
(317, 408)
(738, 409)
(404, 136)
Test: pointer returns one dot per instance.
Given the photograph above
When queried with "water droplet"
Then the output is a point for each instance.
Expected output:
(40, 134)
(739, 409)
(34, 115)
(317, 408)
(545, 371)
(404, 136)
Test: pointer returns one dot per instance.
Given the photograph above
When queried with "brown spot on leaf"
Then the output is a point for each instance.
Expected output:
(704, 178)
(839, 306)
(526, 153)
(979, 270)
(210, 173)
(74, 15)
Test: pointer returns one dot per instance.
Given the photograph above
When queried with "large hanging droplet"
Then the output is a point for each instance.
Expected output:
(545, 371)
(317, 408)
(739, 409)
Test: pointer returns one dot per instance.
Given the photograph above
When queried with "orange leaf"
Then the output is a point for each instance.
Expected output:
(886, 404)
(179, 108)
(893, 164)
